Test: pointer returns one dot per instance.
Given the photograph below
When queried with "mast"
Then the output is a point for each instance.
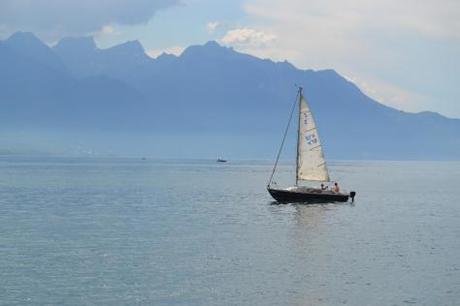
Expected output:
(298, 141)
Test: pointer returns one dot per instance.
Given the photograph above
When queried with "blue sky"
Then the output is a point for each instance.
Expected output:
(403, 53)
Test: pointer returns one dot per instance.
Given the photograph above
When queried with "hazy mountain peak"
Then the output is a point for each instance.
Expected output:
(165, 57)
(24, 39)
(434, 115)
(212, 44)
(27, 44)
(211, 49)
(331, 73)
(133, 47)
(78, 44)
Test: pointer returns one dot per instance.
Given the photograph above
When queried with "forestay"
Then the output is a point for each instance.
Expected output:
(311, 165)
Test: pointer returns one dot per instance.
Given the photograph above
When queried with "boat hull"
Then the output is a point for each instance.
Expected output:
(300, 196)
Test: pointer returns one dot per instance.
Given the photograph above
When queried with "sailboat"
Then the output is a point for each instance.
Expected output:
(310, 162)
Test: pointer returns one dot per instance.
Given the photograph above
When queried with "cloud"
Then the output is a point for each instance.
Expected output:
(212, 26)
(176, 50)
(431, 18)
(322, 33)
(107, 30)
(247, 37)
(389, 93)
(76, 17)
(387, 44)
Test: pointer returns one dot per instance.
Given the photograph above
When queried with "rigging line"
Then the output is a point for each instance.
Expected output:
(284, 138)
(339, 177)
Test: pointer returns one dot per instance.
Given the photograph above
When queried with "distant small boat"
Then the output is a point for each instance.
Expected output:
(311, 165)
(221, 160)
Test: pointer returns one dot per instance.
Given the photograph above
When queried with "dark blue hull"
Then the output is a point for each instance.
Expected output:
(312, 196)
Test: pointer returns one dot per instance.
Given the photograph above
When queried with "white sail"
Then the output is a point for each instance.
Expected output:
(311, 165)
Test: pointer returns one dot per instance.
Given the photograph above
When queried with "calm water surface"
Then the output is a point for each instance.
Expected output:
(133, 232)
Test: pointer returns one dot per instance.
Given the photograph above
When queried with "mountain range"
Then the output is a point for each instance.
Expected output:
(75, 98)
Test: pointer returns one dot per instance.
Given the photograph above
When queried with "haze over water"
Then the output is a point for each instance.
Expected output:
(128, 231)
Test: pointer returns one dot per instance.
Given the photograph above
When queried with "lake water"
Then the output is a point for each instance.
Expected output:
(134, 232)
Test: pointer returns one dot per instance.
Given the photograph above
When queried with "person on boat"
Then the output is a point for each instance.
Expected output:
(323, 187)
(336, 187)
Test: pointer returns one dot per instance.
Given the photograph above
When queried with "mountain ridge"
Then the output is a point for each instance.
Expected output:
(209, 94)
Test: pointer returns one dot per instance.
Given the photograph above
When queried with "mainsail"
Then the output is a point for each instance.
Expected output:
(311, 165)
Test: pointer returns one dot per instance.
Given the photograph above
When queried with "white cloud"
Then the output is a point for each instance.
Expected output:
(212, 26)
(389, 93)
(76, 17)
(107, 29)
(247, 37)
(323, 33)
(106, 32)
(176, 50)
(431, 18)
(380, 42)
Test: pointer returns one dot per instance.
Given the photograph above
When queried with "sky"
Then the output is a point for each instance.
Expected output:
(405, 54)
